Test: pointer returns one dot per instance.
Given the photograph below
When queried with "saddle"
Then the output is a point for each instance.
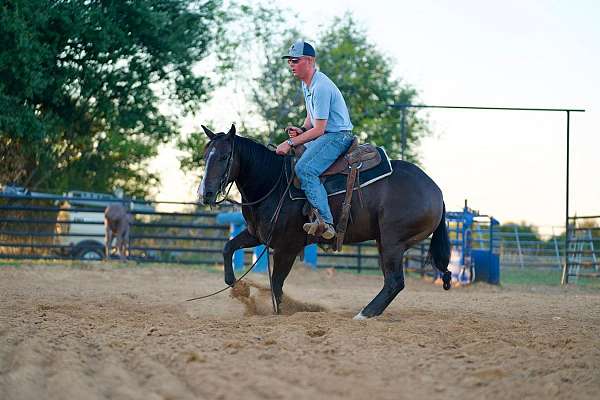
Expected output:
(356, 159)
(366, 155)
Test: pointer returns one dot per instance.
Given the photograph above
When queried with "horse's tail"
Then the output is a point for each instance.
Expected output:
(439, 249)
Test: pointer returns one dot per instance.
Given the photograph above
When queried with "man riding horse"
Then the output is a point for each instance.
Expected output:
(399, 210)
(326, 132)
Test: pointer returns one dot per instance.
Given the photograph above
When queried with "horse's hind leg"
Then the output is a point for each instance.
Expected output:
(120, 246)
(391, 257)
(126, 242)
(108, 241)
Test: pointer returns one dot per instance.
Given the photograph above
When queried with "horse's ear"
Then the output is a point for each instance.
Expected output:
(231, 131)
(211, 135)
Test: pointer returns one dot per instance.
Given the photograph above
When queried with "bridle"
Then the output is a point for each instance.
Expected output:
(225, 178)
(223, 189)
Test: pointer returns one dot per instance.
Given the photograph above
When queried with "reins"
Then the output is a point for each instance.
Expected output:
(251, 203)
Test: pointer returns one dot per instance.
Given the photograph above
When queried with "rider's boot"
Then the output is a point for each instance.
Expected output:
(318, 227)
(326, 231)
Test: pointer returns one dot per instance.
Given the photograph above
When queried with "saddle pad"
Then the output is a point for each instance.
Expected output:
(336, 184)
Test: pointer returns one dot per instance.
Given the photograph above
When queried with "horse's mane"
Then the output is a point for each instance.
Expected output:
(257, 156)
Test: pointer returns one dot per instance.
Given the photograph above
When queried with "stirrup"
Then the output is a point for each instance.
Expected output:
(329, 232)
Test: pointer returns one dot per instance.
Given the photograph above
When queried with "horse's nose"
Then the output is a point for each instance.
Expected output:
(206, 198)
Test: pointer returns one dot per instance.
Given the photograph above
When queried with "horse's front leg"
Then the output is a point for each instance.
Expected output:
(282, 264)
(243, 240)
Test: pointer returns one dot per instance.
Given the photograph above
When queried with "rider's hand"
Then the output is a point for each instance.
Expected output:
(283, 149)
(293, 131)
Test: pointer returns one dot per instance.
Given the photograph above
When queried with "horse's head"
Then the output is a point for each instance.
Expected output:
(218, 159)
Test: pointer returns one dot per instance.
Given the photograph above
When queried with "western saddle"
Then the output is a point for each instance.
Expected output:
(356, 159)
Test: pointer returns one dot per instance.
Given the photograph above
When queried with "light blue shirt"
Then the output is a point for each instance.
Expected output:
(325, 101)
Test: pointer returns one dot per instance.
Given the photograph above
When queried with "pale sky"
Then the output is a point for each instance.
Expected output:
(535, 54)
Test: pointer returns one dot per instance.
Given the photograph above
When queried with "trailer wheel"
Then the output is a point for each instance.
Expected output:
(89, 251)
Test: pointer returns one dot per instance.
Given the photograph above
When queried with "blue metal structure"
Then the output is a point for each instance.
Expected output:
(480, 263)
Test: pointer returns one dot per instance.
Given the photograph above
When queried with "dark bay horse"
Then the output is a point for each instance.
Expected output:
(397, 212)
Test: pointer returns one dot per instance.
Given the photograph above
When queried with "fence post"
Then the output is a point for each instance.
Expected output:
(310, 255)
(519, 246)
(261, 264)
(590, 238)
(558, 260)
(359, 248)
(422, 259)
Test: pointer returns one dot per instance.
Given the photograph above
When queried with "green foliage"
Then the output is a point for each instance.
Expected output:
(81, 83)
(521, 228)
(542, 277)
(528, 235)
(195, 143)
(591, 224)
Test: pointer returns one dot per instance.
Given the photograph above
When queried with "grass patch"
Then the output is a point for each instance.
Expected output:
(512, 276)
(530, 276)
(542, 276)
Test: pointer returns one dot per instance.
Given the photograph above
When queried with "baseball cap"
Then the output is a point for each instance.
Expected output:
(300, 48)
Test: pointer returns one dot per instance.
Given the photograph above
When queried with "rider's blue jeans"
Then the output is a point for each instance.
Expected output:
(318, 156)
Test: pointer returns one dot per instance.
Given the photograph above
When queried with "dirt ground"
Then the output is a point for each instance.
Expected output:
(109, 331)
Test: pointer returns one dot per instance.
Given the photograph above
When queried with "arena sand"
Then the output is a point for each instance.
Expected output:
(115, 331)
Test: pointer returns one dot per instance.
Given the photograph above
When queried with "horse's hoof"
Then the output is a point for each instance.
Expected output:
(230, 280)
(359, 317)
(447, 278)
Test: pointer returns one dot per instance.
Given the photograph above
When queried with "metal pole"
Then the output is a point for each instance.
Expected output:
(401, 105)
(491, 241)
(359, 248)
(565, 274)
(556, 249)
(519, 246)
(403, 133)
(422, 259)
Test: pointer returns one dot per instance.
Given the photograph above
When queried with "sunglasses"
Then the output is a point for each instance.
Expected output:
(294, 60)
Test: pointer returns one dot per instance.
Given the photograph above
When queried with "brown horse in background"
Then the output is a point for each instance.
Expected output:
(116, 223)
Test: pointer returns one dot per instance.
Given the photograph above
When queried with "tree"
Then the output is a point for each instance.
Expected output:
(83, 85)
(522, 228)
